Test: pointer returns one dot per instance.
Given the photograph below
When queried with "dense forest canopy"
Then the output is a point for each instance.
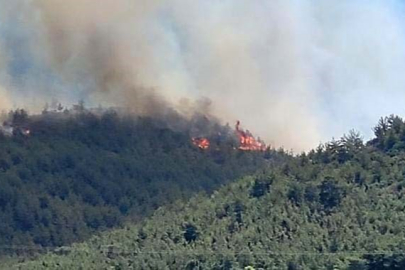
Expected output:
(340, 206)
(64, 176)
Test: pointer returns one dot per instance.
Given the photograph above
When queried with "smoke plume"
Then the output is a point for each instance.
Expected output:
(296, 72)
(4, 97)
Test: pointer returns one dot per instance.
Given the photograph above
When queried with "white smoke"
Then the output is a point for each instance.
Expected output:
(295, 72)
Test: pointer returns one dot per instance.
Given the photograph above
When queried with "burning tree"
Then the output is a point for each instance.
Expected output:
(246, 140)
(202, 143)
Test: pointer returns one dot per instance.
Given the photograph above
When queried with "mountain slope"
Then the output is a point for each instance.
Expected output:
(340, 206)
(72, 175)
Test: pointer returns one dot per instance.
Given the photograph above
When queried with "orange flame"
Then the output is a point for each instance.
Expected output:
(247, 141)
(202, 143)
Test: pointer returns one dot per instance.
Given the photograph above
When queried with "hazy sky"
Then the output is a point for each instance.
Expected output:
(295, 72)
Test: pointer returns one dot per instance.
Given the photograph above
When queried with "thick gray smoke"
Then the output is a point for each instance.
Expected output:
(295, 72)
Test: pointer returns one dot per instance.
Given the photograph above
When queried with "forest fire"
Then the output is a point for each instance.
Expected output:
(247, 141)
(202, 143)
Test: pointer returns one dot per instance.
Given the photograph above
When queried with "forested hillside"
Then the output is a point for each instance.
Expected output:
(340, 206)
(64, 176)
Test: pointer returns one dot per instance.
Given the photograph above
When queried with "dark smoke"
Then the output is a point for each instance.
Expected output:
(295, 72)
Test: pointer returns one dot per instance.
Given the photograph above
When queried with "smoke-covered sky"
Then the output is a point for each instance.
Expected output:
(295, 72)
